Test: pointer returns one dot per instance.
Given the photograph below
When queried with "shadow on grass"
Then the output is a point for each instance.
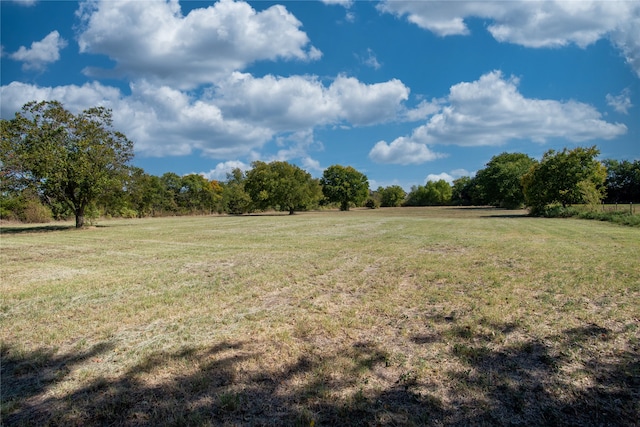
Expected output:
(35, 229)
(524, 384)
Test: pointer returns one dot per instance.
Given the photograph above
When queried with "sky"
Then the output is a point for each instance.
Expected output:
(404, 92)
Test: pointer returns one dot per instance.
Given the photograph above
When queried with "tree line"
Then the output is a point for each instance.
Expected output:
(55, 164)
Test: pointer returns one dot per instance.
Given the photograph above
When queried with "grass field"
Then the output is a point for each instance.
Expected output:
(408, 316)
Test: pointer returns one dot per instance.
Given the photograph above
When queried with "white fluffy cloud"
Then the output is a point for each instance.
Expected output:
(491, 111)
(153, 39)
(75, 98)
(41, 53)
(300, 102)
(402, 151)
(552, 23)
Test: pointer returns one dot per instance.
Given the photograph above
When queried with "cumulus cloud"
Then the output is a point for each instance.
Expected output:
(491, 111)
(154, 39)
(300, 102)
(41, 53)
(423, 110)
(403, 151)
(75, 98)
(535, 24)
(621, 103)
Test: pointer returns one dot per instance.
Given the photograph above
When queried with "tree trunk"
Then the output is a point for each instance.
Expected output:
(291, 211)
(80, 218)
(344, 206)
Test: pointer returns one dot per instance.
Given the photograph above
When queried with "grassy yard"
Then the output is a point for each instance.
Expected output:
(407, 316)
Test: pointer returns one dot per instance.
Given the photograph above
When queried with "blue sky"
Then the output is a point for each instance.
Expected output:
(402, 91)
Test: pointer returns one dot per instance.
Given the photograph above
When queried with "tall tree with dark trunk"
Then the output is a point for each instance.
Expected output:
(70, 159)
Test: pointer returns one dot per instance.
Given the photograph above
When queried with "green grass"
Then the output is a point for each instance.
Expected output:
(379, 317)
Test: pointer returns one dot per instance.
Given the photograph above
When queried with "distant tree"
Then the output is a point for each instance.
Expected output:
(197, 195)
(500, 182)
(433, 193)
(344, 185)
(463, 192)
(282, 186)
(623, 181)
(392, 196)
(567, 177)
(146, 193)
(69, 159)
(172, 185)
(235, 199)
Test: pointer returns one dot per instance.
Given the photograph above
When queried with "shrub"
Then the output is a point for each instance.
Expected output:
(372, 203)
(35, 212)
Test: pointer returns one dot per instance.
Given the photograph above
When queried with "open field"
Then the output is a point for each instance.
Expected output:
(406, 316)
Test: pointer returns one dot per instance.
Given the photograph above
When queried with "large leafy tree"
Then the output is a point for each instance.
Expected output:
(70, 159)
(281, 185)
(500, 182)
(567, 177)
(344, 185)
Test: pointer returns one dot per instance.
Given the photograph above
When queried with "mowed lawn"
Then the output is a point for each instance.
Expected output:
(407, 316)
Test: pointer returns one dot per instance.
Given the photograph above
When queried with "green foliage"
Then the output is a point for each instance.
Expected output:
(372, 203)
(499, 183)
(281, 186)
(35, 212)
(199, 195)
(621, 217)
(623, 181)
(434, 193)
(564, 178)
(462, 191)
(70, 159)
(344, 185)
(392, 196)
(235, 199)
(25, 206)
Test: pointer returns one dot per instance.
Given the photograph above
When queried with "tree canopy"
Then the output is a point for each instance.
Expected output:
(623, 181)
(433, 193)
(344, 185)
(392, 196)
(69, 159)
(499, 183)
(282, 186)
(567, 177)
